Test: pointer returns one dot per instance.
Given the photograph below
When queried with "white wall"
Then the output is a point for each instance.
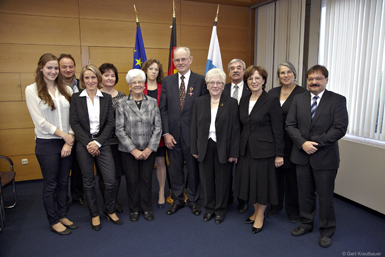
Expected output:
(361, 176)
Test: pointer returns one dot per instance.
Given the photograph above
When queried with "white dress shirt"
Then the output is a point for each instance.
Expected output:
(186, 79)
(46, 120)
(212, 131)
(240, 90)
(319, 97)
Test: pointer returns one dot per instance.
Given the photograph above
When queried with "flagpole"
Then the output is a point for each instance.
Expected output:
(136, 17)
(216, 18)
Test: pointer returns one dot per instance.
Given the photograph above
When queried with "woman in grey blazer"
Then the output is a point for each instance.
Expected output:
(138, 128)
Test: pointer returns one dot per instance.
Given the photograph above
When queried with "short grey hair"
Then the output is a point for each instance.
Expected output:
(215, 72)
(134, 73)
(289, 65)
(182, 48)
(236, 60)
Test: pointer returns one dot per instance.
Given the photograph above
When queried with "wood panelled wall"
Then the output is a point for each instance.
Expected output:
(99, 31)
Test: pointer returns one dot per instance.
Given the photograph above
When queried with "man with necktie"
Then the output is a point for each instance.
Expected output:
(236, 89)
(316, 121)
(67, 68)
(176, 102)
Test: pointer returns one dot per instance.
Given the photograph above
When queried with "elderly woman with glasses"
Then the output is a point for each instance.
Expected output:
(214, 139)
(138, 128)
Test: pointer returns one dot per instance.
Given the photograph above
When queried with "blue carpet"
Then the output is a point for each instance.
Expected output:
(359, 232)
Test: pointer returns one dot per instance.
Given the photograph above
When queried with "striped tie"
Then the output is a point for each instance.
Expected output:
(314, 106)
(235, 93)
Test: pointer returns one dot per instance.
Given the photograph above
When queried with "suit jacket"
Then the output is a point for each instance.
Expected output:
(285, 109)
(80, 121)
(227, 128)
(136, 128)
(174, 120)
(326, 128)
(263, 128)
(245, 91)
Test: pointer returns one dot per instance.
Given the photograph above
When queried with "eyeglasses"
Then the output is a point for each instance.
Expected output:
(316, 79)
(181, 60)
(251, 79)
(218, 83)
(134, 83)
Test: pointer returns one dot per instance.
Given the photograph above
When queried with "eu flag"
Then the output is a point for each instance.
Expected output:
(139, 52)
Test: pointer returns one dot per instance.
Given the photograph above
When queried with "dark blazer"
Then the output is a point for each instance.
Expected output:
(285, 109)
(263, 128)
(326, 128)
(227, 128)
(80, 121)
(136, 128)
(174, 120)
(227, 90)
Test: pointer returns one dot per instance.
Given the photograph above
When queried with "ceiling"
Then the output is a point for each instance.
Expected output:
(245, 3)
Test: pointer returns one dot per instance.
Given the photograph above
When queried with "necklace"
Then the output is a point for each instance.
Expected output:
(213, 102)
(287, 92)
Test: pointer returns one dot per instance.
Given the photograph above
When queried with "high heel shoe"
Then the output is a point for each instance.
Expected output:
(161, 205)
(96, 227)
(116, 222)
(256, 230)
(249, 221)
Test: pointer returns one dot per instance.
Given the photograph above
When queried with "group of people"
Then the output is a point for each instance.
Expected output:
(278, 148)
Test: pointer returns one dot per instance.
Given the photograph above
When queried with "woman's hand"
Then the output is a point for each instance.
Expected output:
(69, 139)
(136, 153)
(195, 156)
(278, 161)
(233, 160)
(92, 148)
(145, 153)
(66, 150)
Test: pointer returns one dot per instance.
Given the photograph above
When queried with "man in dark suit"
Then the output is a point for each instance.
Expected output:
(236, 89)
(176, 101)
(67, 68)
(316, 121)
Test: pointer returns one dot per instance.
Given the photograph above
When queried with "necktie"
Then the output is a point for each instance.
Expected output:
(313, 107)
(235, 93)
(75, 88)
(182, 93)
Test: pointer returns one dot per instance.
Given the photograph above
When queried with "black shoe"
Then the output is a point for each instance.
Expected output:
(81, 201)
(207, 216)
(219, 219)
(148, 215)
(72, 226)
(256, 230)
(134, 216)
(272, 213)
(116, 222)
(325, 241)
(174, 208)
(96, 227)
(300, 231)
(195, 209)
(249, 221)
(62, 233)
(161, 205)
(242, 207)
(293, 219)
(118, 207)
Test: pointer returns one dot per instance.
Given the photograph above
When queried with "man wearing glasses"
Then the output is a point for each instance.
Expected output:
(176, 102)
(317, 119)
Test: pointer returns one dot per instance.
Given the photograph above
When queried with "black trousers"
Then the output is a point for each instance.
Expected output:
(287, 191)
(138, 181)
(105, 162)
(177, 156)
(77, 191)
(311, 181)
(215, 180)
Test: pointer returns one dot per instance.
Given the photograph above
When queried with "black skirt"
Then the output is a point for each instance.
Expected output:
(255, 179)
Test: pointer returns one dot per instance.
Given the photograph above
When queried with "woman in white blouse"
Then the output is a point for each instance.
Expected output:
(48, 102)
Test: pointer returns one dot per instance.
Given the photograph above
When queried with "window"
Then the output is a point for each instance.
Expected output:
(352, 44)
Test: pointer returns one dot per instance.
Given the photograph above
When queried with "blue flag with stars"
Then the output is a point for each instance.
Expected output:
(139, 52)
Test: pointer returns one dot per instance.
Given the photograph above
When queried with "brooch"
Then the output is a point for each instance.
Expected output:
(191, 89)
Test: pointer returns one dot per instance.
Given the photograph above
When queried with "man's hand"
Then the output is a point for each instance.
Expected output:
(169, 141)
(309, 147)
